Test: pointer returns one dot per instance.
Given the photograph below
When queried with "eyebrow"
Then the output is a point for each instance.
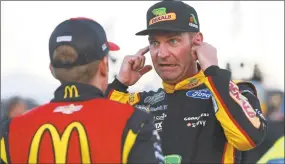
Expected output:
(168, 35)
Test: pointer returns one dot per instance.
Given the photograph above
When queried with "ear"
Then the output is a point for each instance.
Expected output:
(51, 70)
(50, 67)
(197, 39)
(103, 67)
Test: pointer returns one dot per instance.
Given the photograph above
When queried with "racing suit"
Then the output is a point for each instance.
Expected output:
(205, 118)
(80, 126)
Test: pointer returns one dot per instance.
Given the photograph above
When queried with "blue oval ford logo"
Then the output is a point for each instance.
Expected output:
(276, 161)
(199, 94)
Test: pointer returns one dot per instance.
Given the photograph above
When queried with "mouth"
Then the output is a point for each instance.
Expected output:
(167, 65)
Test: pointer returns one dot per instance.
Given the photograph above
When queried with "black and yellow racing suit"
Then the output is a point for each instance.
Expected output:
(205, 118)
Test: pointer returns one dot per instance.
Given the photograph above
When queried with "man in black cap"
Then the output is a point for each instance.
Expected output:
(202, 116)
(79, 125)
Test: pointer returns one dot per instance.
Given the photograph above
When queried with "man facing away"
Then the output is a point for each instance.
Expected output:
(202, 116)
(79, 125)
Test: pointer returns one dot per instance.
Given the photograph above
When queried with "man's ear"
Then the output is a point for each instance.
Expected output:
(103, 66)
(52, 70)
(197, 39)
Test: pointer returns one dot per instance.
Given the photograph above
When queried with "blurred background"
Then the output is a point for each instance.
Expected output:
(249, 37)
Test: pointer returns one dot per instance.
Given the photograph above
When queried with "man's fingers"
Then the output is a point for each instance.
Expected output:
(131, 60)
(145, 69)
(142, 61)
(137, 63)
(142, 51)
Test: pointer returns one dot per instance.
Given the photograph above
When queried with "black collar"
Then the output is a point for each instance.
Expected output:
(76, 92)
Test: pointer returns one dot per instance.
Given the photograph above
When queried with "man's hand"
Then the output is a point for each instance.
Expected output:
(133, 67)
(206, 54)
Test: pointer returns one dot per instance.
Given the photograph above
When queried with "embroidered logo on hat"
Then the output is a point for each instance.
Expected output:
(161, 15)
(64, 39)
(193, 21)
(159, 11)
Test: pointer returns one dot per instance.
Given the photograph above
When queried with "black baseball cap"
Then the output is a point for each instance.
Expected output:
(86, 36)
(172, 16)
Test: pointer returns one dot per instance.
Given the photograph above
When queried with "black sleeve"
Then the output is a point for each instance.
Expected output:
(239, 110)
(248, 90)
(147, 146)
(117, 85)
(274, 132)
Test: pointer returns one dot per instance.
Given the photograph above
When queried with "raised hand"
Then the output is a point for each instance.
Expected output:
(133, 67)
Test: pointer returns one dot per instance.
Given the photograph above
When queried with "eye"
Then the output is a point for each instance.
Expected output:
(173, 41)
(153, 43)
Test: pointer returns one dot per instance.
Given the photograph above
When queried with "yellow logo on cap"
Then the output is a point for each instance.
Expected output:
(161, 15)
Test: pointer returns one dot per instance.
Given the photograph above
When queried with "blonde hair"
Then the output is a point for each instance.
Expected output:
(80, 74)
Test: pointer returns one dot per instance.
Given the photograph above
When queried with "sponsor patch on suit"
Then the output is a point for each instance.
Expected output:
(199, 94)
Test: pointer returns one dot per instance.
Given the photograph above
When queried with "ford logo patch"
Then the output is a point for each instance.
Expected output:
(199, 94)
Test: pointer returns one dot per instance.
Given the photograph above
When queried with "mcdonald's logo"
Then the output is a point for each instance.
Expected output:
(68, 90)
(60, 143)
(3, 154)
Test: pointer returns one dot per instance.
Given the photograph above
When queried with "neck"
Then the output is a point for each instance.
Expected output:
(98, 83)
(193, 71)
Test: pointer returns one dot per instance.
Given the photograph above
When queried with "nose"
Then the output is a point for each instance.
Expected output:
(163, 51)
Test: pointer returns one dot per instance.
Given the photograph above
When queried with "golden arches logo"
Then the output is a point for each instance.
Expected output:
(60, 143)
(3, 155)
(70, 89)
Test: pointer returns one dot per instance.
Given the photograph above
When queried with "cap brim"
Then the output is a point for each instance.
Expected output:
(162, 29)
(113, 46)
